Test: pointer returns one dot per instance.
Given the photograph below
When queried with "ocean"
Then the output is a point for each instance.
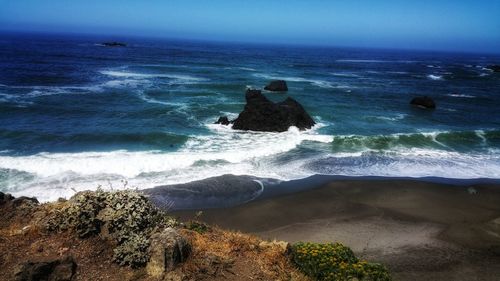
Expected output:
(76, 115)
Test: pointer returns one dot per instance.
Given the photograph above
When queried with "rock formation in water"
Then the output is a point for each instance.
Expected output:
(277, 86)
(423, 102)
(114, 44)
(261, 114)
(223, 120)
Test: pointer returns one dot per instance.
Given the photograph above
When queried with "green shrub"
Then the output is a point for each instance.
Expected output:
(132, 251)
(126, 217)
(197, 226)
(327, 262)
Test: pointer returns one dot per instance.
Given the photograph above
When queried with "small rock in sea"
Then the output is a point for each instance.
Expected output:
(423, 102)
(223, 120)
(261, 114)
(167, 250)
(494, 68)
(114, 44)
(60, 269)
(277, 86)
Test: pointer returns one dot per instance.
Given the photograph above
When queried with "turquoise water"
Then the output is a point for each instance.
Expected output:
(75, 114)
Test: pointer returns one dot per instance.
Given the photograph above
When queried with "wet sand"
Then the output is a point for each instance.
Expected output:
(420, 230)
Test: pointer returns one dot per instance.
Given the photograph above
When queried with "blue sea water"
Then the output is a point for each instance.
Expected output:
(75, 114)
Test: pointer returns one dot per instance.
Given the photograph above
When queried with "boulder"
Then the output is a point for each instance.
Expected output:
(167, 249)
(423, 102)
(261, 114)
(59, 269)
(223, 120)
(114, 44)
(494, 67)
(277, 86)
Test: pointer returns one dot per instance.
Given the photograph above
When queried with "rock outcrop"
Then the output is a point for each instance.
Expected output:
(277, 86)
(114, 44)
(223, 120)
(59, 269)
(423, 102)
(261, 114)
(10, 201)
(168, 249)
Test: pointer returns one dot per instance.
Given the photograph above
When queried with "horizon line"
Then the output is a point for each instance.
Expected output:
(241, 42)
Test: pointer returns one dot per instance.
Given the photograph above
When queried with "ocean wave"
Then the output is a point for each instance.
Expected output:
(227, 151)
(415, 162)
(159, 140)
(283, 156)
(399, 143)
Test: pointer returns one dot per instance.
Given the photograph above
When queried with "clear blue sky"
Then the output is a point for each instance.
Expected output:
(468, 25)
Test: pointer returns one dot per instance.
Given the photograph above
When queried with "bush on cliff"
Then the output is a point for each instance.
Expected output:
(327, 262)
(127, 218)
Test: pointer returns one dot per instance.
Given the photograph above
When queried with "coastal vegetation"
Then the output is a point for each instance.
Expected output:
(334, 261)
(72, 240)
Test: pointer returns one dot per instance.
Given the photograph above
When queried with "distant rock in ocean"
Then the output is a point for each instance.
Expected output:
(423, 102)
(223, 120)
(261, 114)
(114, 44)
(277, 86)
(494, 68)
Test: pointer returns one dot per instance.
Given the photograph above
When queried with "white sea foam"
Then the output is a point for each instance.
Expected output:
(374, 61)
(247, 68)
(396, 117)
(227, 151)
(148, 99)
(461, 96)
(435, 77)
(127, 74)
(345, 74)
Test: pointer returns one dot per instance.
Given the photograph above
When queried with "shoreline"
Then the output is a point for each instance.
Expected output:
(423, 230)
(229, 190)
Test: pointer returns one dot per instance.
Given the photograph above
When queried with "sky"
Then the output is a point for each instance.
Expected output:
(467, 25)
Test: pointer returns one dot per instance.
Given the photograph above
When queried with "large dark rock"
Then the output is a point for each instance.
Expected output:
(277, 86)
(261, 114)
(168, 249)
(114, 44)
(223, 120)
(423, 102)
(60, 270)
(494, 68)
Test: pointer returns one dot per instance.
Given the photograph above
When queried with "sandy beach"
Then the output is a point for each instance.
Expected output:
(420, 230)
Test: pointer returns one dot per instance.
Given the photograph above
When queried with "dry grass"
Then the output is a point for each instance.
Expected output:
(217, 254)
(226, 255)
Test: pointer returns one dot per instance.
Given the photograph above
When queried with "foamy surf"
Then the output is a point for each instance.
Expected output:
(435, 77)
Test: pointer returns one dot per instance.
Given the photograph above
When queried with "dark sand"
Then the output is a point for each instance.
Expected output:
(420, 230)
